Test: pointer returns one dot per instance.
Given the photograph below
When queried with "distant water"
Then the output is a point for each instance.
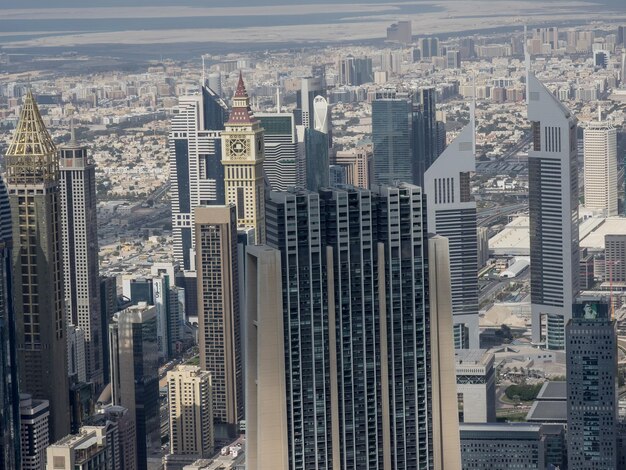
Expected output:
(325, 16)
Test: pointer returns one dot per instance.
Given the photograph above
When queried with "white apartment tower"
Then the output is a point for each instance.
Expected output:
(553, 211)
(600, 147)
(243, 157)
(452, 214)
(191, 411)
(79, 236)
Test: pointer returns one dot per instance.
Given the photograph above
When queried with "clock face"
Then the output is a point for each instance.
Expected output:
(238, 147)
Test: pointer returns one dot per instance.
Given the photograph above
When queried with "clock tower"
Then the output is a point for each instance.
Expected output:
(242, 157)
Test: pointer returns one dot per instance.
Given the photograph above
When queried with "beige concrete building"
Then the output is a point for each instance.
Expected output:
(446, 440)
(218, 308)
(93, 448)
(265, 358)
(358, 163)
(243, 156)
(600, 151)
(191, 411)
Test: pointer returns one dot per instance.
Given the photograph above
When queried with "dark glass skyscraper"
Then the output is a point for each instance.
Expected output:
(392, 138)
(9, 396)
(592, 390)
(356, 326)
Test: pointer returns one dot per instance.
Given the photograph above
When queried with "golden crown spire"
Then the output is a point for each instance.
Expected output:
(32, 156)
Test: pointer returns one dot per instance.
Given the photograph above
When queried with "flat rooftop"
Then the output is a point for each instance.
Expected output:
(548, 411)
(553, 390)
(513, 240)
(593, 230)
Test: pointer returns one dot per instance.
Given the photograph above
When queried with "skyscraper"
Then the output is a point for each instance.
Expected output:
(266, 416)
(553, 211)
(135, 374)
(600, 152)
(79, 237)
(358, 163)
(425, 133)
(33, 180)
(452, 214)
(355, 71)
(400, 32)
(9, 396)
(218, 309)
(592, 390)
(191, 411)
(282, 158)
(353, 305)
(196, 171)
(310, 88)
(445, 418)
(243, 159)
(391, 136)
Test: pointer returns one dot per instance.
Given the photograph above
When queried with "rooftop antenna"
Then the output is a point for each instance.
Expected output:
(473, 114)
(527, 62)
(72, 131)
(278, 99)
(203, 72)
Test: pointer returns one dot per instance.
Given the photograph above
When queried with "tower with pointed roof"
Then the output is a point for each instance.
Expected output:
(32, 170)
(242, 157)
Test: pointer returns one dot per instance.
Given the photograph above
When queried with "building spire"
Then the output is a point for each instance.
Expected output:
(31, 156)
(241, 112)
(72, 131)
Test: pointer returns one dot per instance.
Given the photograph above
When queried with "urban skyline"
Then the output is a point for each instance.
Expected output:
(404, 253)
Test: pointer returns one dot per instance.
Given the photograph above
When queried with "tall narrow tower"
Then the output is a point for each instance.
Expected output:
(452, 214)
(553, 210)
(33, 180)
(79, 236)
(600, 147)
(243, 158)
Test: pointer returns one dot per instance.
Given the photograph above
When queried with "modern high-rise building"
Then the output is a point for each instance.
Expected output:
(553, 212)
(425, 133)
(359, 165)
(32, 170)
(9, 395)
(34, 432)
(79, 238)
(600, 154)
(191, 411)
(196, 171)
(452, 214)
(267, 432)
(282, 158)
(355, 300)
(592, 389)
(310, 88)
(429, 47)
(391, 137)
(135, 374)
(400, 32)
(243, 159)
(453, 59)
(355, 71)
(219, 309)
(444, 415)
